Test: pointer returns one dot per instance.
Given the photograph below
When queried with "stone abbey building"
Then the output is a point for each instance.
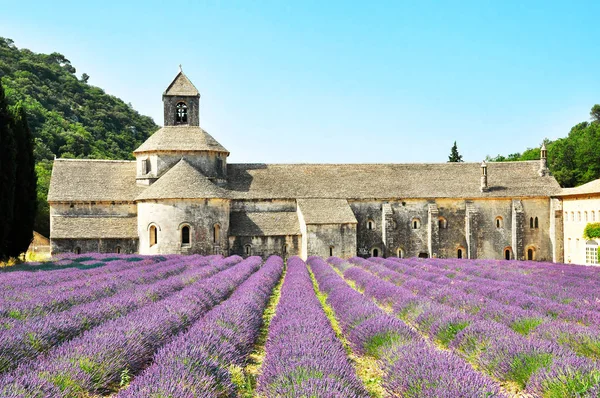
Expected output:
(181, 195)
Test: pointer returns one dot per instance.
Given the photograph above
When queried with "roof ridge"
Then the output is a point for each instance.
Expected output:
(94, 160)
(383, 164)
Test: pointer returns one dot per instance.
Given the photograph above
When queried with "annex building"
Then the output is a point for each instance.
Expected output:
(181, 195)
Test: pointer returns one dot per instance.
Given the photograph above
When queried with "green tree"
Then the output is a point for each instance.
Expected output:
(25, 203)
(7, 173)
(595, 113)
(454, 155)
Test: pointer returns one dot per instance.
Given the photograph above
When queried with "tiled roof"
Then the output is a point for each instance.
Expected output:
(93, 180)
(264, 224)
(183, 181)
(82, 227)
(180, 138)
(326, 211)
(181, 86)
(381, 181)
(592, 187)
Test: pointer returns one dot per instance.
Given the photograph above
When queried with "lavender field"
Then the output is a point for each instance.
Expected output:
(193, 326)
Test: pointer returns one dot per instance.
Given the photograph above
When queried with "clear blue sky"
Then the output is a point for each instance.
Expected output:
(337, 82)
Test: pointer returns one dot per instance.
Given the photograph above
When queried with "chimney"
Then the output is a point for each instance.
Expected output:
(543, 171)
(484, 175)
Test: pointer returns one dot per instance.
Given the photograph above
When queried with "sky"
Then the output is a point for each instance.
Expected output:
(338, 81)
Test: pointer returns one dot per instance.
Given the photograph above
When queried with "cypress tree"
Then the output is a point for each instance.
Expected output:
(8, 155)
(25, 204)
(454, 155)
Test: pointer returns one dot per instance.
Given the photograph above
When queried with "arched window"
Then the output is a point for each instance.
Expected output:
(153, 235)
(499, 222)
(118, 250)
(579, 216)
(400, 253)
(572, 216)
(370, 225)
(181, 113)
(507, 253)
(585, 216)
(216, 233)
(442, 223)
(531, 222)
(284, 249)
(185, 235)
(593, 216)
(375, 252)
(531, 254)
(330, 251)
(459, 253)
(537, 224)
(591, 252)
(416, 223)
(77, 250)
(248, 250)
(566, 216)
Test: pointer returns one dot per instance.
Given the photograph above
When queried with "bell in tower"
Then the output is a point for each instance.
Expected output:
(181, 102)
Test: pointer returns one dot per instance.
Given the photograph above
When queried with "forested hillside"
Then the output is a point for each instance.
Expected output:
(573, 160)
(67, 116)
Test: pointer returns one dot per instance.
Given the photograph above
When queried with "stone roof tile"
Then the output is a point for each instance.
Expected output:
(592, 187)
(180, 138)
(181, 86)
(183, 181)
(326, 211)
(264, 224)
(94, 227)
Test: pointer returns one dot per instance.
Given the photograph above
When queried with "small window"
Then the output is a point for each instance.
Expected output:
(118, 250)
(375, 252)
(530, 254)
(416, 223)
(593, 216)
(248, 250)
(531, 222)
(459, 253)
(572, 216)
(569, 246)
(585, 216)
(185, 235)
(507, 253)
(591, 252)
(536, 223)
(370, 225)
(219, 166)
(499, 222)
(400, 253)
(153, 235)
(284, 248)
(77, 250)
(181, 113)
(579, 216)
(442, 223)
(330, 251)
(216, 233)
(566, 216)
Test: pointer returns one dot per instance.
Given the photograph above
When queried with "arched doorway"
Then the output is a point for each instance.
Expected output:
(459, 253)
(530, 254)
(375, 252)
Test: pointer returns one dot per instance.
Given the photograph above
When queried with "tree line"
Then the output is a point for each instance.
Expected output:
(18, 180)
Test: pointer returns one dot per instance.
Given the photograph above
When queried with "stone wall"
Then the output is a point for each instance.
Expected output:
(331, 239)
(125, 246)
(193, 109)
(265, 246)
(211, 164)
(169, 216)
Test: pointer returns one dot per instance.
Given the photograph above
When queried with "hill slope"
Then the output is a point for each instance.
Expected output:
(68, 117)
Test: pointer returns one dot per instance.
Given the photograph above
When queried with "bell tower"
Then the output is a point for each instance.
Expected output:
(181, 102)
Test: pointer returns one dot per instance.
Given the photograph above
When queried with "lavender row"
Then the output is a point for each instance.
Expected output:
(96, 361)
(304, 356)
(545, 281)
(42, 302)
(223, 337)
(29, 339)
(490, 346)
(18, 280)
(412, 368)
(525, 318)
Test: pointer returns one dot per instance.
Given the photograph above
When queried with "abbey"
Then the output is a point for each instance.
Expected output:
(181, 196)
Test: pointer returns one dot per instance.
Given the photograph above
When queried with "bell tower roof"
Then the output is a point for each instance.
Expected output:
(181, 86)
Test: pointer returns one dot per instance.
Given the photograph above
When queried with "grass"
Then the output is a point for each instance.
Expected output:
(526, 325)
(523, 366)
(246, 378)
(367, 367)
